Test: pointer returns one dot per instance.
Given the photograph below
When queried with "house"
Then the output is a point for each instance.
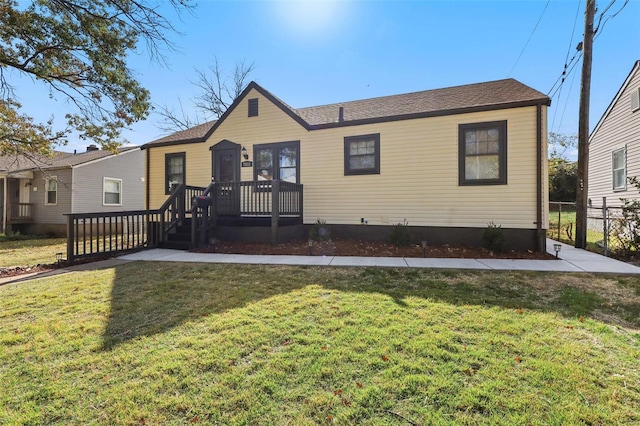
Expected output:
(447, 161)
(36, 192)
(614, 146)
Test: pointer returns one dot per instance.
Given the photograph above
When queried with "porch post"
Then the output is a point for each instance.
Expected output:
(275, 210)
(213, 214)
(70, 239)
(4, 205)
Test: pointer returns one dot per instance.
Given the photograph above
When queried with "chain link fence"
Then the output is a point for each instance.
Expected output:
(610, 229)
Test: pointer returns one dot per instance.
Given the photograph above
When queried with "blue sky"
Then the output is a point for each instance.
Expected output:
(314, 53)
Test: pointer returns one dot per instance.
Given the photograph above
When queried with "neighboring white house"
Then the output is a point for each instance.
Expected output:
(35, 193)
(614, 146)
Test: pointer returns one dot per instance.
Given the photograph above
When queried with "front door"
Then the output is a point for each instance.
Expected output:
(226, 174)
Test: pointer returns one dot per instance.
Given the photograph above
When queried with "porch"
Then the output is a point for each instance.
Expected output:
(15, 208)
(261, 211)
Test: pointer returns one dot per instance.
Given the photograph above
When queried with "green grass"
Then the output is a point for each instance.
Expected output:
(165, 343)
(568, 230)
(31, 252)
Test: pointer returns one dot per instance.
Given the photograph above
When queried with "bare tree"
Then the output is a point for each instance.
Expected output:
(218, 91)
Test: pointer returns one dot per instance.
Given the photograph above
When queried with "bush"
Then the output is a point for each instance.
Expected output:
(493, 238)
(400, 234)
(320, 231)
(626, 230)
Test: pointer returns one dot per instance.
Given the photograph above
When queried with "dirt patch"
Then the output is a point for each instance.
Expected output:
(13, 271)
(366, 249)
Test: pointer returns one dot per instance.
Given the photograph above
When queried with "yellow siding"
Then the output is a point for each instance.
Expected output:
(418, 178)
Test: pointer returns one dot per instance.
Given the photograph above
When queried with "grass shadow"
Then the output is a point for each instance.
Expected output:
(153, 297)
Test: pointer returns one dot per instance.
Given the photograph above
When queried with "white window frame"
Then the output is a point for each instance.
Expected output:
(622, 150)
(104, 192)
(46, 190)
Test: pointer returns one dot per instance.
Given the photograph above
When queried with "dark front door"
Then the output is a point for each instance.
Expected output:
(226, 173)
(225, 168)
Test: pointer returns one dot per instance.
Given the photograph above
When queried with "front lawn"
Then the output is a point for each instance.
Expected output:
(31, 252)
(167, 343)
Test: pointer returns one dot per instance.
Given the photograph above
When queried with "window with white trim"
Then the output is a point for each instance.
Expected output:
(111, 191)
(51, 191)
(619, 168)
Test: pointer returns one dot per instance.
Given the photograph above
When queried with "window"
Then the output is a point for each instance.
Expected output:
(362, 155)
(277, 161)
(635, 100)
(619, 166)
(111, 192)
(51, 188)
(482, 153)
(253, 107)
(174, 166)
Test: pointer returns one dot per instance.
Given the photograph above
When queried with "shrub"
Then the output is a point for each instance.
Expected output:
(626, 230)
(493, 238)
(400, 234)
(320, 231)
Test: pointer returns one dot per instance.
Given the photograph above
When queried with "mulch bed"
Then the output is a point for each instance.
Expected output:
(367, 249)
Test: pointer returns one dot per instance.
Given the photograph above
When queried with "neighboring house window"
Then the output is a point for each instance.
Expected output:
(111, 192)
(51, 191)
(174, 166)
(253, 107)
(482, 153)
(362, 154)
(635, 100)
(619, 166)
(277, 161)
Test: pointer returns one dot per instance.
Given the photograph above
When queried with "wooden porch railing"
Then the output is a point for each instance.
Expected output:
(101, 234)
(95, 234)
(20, 212)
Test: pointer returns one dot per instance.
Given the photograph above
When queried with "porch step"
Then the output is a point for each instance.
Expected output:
(175, 245)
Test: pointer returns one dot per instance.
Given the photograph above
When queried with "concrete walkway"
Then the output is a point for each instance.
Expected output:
(570, 259)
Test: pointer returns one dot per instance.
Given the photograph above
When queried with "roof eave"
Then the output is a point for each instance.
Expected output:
(465, 110)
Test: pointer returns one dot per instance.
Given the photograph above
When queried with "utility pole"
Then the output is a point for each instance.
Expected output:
(583, 127)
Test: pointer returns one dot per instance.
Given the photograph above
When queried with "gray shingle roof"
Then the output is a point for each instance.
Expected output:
(14, 163)
(471, 97)
(490, 94)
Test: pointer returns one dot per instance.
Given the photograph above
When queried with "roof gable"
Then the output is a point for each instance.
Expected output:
(635, 70)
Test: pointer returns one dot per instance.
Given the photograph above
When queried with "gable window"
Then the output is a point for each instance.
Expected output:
(362, 154)
(51, 193)
(253, 107)
(619, 166)
(482, 153)
(277, 161)
(111, 192)
(174, 167)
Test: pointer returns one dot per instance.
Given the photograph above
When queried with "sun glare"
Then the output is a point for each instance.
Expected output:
(311, 19)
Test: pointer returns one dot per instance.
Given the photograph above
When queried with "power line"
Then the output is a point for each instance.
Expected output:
(575, 21)
(530, 36)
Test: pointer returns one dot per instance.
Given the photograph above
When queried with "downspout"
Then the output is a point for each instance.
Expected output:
(147, 179)
(540, 237)
(4, 205)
